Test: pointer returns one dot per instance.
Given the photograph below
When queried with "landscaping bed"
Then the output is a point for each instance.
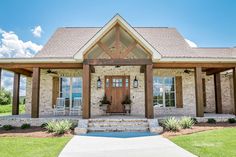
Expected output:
(198, 128)
(37, 132)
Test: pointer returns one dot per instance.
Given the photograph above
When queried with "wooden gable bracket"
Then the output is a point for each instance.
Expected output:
(142, 69)
(92, 69)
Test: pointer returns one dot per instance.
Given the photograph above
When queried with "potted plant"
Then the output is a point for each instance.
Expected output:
(104, 103)
(127, 104)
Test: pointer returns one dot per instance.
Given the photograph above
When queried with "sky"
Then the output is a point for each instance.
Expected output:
(26, 25)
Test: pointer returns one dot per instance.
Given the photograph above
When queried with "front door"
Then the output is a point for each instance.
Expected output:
(116, 89)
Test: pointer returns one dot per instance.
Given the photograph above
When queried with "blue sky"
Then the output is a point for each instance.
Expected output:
(208, 23)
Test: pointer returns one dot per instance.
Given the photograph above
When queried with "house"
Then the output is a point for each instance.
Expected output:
(154, 66)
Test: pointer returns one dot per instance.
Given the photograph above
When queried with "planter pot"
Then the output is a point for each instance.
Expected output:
(104, 107)
(127, 108)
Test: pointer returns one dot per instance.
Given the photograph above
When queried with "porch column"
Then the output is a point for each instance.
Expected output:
(0, 78)
(35, 93)
(86, 91)
(149, 113)
(218, 99)
(199, 92)
(16, 91)
(234, 88)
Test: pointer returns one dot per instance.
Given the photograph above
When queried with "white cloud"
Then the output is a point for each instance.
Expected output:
(37, 31)
(11, 46)
(191, 43)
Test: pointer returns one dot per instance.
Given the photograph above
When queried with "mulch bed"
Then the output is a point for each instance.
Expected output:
(198, 128)
(37, 132)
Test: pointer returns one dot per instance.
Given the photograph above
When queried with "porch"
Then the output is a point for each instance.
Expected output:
(88, 73)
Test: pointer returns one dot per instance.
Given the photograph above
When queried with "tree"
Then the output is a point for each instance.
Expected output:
(5, 97)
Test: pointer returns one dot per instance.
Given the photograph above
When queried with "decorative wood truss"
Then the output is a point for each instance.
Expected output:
(111, 44)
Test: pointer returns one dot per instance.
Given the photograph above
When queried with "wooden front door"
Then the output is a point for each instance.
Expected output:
(116, 89)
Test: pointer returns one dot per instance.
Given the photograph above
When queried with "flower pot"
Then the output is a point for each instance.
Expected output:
(104, 107)
(127, 108)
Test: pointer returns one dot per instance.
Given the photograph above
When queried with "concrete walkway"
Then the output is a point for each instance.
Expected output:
(149, 146)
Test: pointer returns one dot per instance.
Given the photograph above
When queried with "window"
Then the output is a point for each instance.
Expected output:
(164, 91)
(116, 82)
(70, 88)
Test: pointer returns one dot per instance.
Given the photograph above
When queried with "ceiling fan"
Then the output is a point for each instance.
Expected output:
(49, 71)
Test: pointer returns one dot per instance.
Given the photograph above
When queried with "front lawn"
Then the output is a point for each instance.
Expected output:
(32, 147)
(214, 143)
(6, 109)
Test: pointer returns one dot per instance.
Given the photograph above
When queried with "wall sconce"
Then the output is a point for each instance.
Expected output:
(99, 83)
(135, 83)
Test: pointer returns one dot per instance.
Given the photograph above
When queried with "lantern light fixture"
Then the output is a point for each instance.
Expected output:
(135, 83)
(99, 82)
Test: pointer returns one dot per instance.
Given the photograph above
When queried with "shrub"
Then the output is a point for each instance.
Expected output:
(194, 120)
(186, 122)
(171, 124)
(7, 127)
(5, 97)
(59, 127)
(43, 125)
(50, 126)
(232, 120)
(211, 121)
(25, 126)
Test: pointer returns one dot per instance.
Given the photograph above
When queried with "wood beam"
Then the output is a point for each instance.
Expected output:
(218, 100)
(121, 62)
(193, 65)
(128, 50)
(199, 92)
(35, 93)
(149, 113)
(21, 71)
(86, 91)
(16, 92)
(105, 49)
(117, 40)
(41, 65)
(234, 88)
(211, 71)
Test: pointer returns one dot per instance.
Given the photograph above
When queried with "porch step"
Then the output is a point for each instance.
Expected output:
(118, 125)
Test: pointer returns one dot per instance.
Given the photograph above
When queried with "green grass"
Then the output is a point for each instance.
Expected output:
(6, 109)
(32, 147)
(214, 143)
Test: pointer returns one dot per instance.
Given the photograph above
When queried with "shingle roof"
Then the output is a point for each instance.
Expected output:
(65, 42)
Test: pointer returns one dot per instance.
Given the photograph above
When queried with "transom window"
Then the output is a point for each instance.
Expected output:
(164, 91)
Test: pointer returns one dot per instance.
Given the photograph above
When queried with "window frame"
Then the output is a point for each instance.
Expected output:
(163, 85)
(71, 87)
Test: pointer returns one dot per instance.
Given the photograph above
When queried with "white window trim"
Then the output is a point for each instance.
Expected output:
(164, 102)
(71, 83)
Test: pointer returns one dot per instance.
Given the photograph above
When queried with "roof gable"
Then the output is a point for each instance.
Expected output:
(114, 21)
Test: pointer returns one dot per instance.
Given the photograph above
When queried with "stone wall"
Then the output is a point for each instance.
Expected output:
(226, 94)
(188, 86)
(137, 95)
(45, 101)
